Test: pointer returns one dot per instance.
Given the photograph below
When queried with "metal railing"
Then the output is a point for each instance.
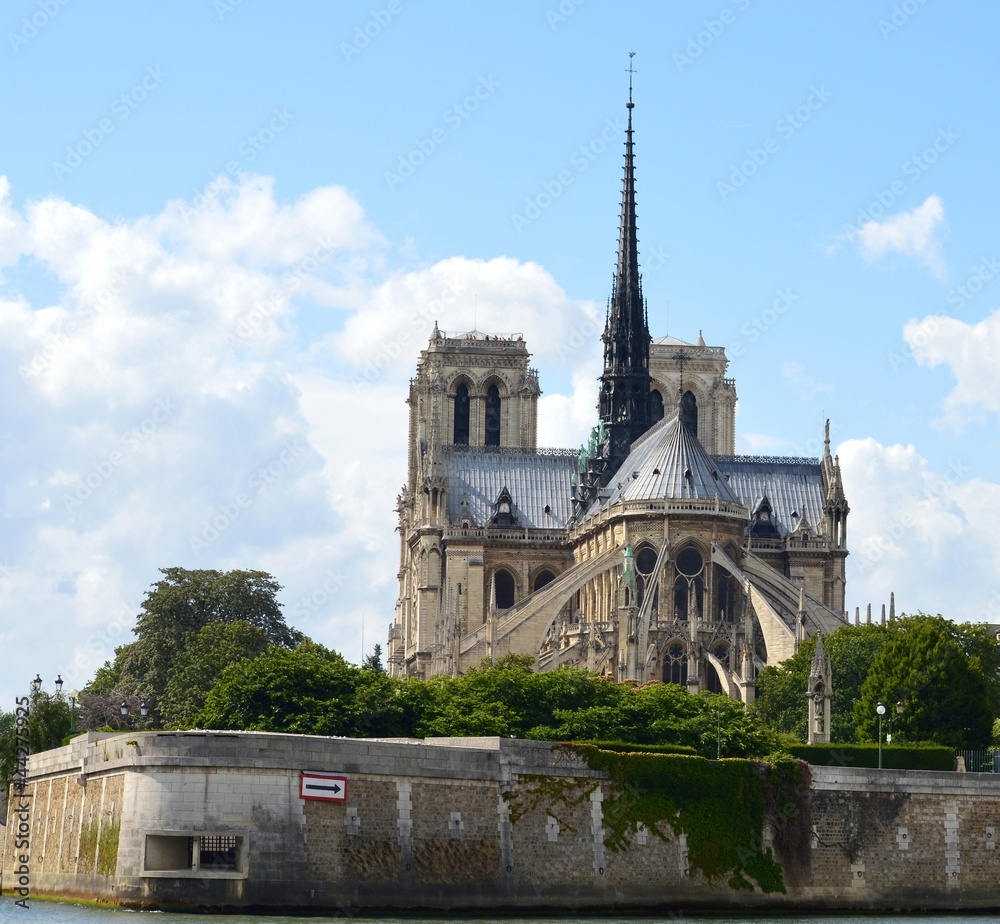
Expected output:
(983, 760)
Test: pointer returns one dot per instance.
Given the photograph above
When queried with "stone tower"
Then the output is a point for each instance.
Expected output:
(471, 390)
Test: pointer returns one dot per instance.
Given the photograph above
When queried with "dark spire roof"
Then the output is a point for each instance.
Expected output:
(624, 398)
(626, 334)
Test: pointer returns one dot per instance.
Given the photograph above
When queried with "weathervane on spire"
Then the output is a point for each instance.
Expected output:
(631, 71)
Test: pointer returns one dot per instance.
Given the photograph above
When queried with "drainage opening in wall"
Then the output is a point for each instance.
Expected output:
(201, 855)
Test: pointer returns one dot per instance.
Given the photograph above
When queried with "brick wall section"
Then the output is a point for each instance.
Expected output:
(477, 824)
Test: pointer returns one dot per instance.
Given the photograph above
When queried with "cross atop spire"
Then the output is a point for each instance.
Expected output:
(631, 71)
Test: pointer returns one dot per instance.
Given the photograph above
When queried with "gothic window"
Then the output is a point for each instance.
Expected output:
(675, 664)
(645, 560)
(655, 406)
(492, 416)
(687, 597)
(503, 589)
(725, 595)
(689, 413)
(461, 436)
(689, 562)
(688, 585)
(545, 577)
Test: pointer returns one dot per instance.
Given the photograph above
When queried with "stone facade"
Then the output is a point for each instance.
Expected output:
(452, 824)
(508, 548)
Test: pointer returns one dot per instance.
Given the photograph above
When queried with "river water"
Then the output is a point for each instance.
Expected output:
(46, 912)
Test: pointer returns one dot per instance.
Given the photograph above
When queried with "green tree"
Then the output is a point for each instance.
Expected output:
(926, 664)
(179, 606)
(781, 689)
(200, 663)
(307, 690)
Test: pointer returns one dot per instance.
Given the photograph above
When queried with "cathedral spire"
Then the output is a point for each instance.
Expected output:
(625, 384)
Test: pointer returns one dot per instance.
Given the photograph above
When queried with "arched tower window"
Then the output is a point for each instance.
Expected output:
(503, 589)
(689, 413)
(545, 577)
(492, 416)
(461, 434)
(655, 406)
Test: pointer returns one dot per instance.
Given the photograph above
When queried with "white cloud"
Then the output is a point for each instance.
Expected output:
(910, 233)
(922, 533)
(194, 395)
(970, 352)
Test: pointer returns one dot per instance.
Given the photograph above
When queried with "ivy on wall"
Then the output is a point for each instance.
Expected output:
(722, 807)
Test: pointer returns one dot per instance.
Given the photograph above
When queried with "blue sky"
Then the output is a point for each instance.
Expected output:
(227, 227)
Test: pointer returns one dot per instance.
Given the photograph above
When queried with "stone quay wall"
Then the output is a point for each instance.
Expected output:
(214, 820)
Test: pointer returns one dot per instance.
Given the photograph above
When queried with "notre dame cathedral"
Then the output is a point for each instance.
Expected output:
(653, 552)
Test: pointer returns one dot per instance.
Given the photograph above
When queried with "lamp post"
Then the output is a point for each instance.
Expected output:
(880, 709)
(74, 695)
(899, 713)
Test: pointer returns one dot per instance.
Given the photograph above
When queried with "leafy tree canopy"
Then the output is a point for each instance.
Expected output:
(946, 674)
(781, 689)
(935, 668)
(175, 610)
(314, 691)
(200, 663)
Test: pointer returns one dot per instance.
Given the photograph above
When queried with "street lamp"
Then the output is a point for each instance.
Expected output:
(880, 709)
(123, 708)
(36, 684)
(143, 710)
(59, 684)
(899, 713)
(74, 695)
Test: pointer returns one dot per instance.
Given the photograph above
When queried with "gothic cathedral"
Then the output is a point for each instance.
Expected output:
(651, 553)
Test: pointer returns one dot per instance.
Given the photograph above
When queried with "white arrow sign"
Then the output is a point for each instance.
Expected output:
(329, 786)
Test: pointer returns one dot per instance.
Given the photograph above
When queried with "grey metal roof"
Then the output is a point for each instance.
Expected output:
(534, 478)
(668, 462)
(793, 486)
